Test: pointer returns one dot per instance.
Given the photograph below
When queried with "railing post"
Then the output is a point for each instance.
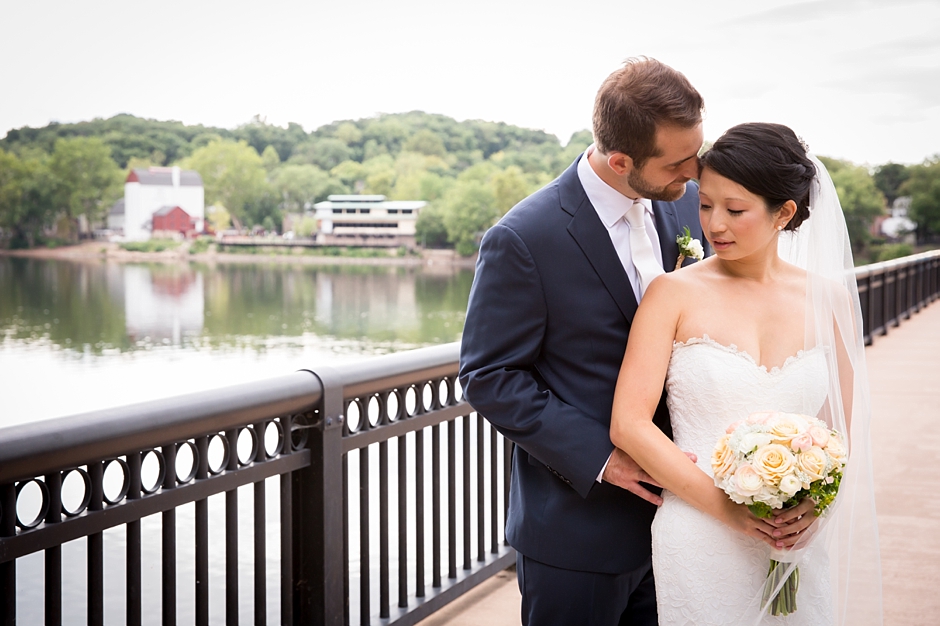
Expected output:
(8, 568)
(318, 514)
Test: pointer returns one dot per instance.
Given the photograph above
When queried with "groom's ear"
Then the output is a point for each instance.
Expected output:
(620, 163)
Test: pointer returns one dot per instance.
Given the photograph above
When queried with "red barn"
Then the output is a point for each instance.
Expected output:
(172, 219)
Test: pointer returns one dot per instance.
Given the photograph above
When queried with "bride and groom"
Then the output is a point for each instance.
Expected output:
(602, 396)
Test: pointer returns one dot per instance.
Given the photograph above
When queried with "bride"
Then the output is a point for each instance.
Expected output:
(771, 321)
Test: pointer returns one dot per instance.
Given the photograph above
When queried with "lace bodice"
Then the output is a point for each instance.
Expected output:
(711, 385)
(706, 573)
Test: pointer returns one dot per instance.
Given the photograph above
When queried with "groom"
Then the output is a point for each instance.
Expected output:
(557, 284)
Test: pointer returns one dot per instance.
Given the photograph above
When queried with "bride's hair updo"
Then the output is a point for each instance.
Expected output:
(768, 160)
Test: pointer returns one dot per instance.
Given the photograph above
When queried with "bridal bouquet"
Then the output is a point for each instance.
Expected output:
(774, 460)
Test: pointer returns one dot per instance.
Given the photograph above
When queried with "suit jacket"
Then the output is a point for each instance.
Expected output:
(547, 324)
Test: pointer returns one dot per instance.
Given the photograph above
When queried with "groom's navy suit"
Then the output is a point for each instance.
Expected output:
(546, 329)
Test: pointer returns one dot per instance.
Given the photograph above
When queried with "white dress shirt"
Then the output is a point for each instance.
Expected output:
(611, 207)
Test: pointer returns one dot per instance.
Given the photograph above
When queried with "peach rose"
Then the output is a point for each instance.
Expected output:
(785, 427)
(813, 462)
(836, 450)
(722, 457)
(772, 462)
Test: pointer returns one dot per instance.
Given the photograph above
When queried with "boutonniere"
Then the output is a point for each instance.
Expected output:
(688, 247)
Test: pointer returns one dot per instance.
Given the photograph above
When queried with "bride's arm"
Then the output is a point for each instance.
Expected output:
(638, 391)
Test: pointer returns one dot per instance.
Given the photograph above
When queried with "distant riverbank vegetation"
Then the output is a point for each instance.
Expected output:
(55, 179)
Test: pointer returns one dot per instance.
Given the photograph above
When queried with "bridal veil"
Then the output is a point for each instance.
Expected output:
(834, 322)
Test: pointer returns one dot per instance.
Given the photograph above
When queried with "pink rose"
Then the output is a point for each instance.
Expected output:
(760, 417)
(802, 442)
(820, 436)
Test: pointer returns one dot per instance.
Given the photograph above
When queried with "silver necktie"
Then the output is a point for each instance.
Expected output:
(641, 248)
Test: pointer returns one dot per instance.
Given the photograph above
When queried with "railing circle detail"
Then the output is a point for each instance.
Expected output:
(278, 426)
(86, 494)
(411, 401)
(375, 411)
(253, 452)
(43, 507)
(393, 406)
(354, 416)
(226, 453)
(161, 470)
(125, 483)
(182, 480)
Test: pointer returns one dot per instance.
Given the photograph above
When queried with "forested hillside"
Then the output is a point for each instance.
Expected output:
(471, 171)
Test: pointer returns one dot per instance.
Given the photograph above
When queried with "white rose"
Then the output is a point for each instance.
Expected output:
(790, 484)
(752, 441)
(747, 481)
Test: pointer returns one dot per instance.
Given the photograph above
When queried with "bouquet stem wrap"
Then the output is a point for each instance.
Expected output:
(781, 588)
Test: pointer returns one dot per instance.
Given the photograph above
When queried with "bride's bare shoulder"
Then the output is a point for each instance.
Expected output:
(682, 281)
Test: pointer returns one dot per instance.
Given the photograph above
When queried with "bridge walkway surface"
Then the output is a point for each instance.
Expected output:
(904, 367)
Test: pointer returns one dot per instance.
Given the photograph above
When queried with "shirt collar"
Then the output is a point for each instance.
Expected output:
(610, 204)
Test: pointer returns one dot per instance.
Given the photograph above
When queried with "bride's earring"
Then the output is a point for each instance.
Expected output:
(780, 227)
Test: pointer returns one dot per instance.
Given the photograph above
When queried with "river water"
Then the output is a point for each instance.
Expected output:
(78, 336)
(82, 335)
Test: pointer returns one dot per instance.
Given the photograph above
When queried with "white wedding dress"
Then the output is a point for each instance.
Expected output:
(705, 572)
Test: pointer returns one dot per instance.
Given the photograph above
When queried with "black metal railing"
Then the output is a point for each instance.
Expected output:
(367, 459)
(892, 290)
(77, 478)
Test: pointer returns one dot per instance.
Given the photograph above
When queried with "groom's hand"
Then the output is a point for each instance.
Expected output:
(624, 472)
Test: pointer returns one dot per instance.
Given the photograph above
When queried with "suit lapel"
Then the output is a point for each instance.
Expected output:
(667, 227)
(591, 236)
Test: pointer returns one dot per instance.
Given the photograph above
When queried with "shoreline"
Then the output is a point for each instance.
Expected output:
(112, 252)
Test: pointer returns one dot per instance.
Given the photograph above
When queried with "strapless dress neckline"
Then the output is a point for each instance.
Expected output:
(733, 349)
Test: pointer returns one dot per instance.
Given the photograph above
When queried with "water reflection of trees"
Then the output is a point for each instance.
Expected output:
(73, 305)
(99, 306)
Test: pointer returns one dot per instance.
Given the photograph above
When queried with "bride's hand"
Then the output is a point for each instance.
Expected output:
(740, 518)
(790, 523)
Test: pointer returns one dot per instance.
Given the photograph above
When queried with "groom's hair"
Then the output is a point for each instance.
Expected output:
(637, 98)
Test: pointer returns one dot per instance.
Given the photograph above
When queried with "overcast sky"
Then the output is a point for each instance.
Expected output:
(857, 79)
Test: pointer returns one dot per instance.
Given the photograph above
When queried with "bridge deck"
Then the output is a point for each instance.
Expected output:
(905, 383)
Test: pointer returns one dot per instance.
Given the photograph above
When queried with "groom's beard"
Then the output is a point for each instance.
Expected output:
(672, 191)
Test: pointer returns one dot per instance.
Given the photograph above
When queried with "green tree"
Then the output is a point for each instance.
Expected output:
(860, 198)
(218, 217)
(270, 159)
(301, 185)
(425, 142)
(889, 178)
(469, 209)
(84, 177)
(923, 186)
(430, 231)
(509, 187)
(325, 153)
(233, 175)
(24, 199)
